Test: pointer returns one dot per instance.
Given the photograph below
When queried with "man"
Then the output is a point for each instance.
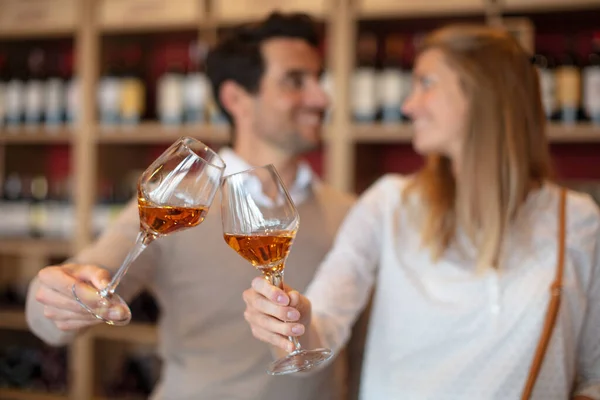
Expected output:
(267, 81)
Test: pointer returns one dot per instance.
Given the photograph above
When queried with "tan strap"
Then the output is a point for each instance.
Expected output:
(555, 294)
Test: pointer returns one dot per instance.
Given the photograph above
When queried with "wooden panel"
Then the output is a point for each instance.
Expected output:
(140, 333)
(229, 11)
(156, 133)
(37, 17)
(548, 5)
(128, 15)
(13, 394)
(44, 247)
(402, 133)
(339, 154)
(14, 320)
(402, 8)
(23, 135)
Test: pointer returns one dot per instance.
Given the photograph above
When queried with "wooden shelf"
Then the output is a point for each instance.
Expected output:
(580, 133)
(15, 394)
(548, 5)
(37, 18)
(153, 132)
(236, 11)
(381, 133)
(149, 15)
(13, 320)
(47, 247)
(140, 333)
(410, 9)
(36, 135)
(402, 133)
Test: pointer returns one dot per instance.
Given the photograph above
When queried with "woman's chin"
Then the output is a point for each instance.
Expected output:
(420, 147)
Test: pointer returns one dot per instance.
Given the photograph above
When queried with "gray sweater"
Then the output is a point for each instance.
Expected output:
(207, 348)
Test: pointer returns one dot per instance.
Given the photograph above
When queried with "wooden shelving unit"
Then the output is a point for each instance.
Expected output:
(157, 133)
(139, 333)
(34, 136)
(11, 394)
(402, 133)
(86, 21)
(44, 247)
(13, 320)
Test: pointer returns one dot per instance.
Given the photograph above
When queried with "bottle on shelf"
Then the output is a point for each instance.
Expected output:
(170, 95)
(14, 99)
(109, 93)
(568, 83)
(35, 88)
(14, 207)
(546, 67)
(393, 81)
(38, 211)
(72, 99)
(3, 82)
(326, 82)
(196, 88)
(101, 212)
(364, 79)
(591, 81)
(133, 92)
(55, 93)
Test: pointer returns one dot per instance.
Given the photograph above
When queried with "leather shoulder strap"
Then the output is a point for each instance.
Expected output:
(555, 295)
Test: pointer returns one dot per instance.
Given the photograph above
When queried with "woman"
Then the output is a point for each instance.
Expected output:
(463, 252)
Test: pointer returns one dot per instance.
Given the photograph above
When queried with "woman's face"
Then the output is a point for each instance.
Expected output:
(437, 106)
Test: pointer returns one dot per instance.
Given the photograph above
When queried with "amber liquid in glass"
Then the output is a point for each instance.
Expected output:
(163, 220)
(266, 252)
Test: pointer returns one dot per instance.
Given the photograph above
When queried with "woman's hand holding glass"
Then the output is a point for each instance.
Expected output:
(275, 314)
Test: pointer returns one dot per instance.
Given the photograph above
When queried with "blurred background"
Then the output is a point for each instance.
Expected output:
(91, 91)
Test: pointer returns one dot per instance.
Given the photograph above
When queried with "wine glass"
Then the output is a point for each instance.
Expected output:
(174, 193)
(260, 223)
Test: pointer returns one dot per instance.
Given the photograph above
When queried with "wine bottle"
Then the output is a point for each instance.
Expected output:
(546, 68)
(15, 94)
(170, 96)
(364, 97)
(196, 89)
(55, 93)
(591, 81)
(109, 92)
(3, 82)
(133, 92)
(568, 80)
(35, 88)
(390, 80)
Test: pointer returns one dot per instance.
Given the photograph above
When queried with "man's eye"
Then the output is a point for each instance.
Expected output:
(295, 81)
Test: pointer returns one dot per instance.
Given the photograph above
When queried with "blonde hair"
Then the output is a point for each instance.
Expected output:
(505, 150)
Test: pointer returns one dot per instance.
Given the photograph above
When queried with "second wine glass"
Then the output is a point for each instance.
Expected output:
(174, 193)
(260, 222)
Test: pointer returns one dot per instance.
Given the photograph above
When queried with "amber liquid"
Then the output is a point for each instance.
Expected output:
(163, 220)
(266, 252)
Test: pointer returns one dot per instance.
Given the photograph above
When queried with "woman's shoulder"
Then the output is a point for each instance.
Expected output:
(390, 183)
(582, 213)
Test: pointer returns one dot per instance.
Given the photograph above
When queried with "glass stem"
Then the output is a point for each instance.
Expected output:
(276, 279)
(142, 241)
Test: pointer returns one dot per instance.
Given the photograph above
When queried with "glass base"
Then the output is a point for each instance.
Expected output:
(299, 360)
(101, 306)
